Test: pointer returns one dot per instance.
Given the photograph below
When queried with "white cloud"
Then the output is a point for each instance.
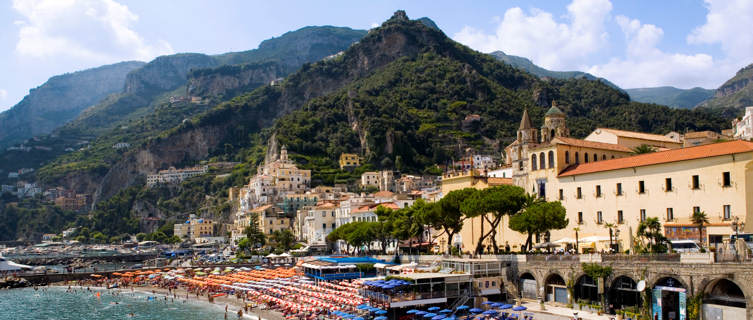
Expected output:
(3, 94)
(93, 30)
(728, 23)
(645, 65)
(538, 36)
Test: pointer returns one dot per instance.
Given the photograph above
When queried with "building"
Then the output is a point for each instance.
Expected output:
(349, 160)
(195, 228)
(385, 180)
(503, 172)
(318, 223)
(743, 127)
(370, 178)
(632, 139)
(173, 175)
(271, 218)
(78, 202)
(121, 145)
(293, 202)
(276, 178)
(691, 139)
(483, 162)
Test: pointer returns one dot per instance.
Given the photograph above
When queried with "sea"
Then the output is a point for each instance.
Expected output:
(54, 303)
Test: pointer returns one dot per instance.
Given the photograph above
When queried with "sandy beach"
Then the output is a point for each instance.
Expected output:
(233, 303)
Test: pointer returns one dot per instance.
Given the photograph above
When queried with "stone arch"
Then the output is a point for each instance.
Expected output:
(533, 162)
(585, 157)
(596, 157)
(623, 292)
(528, 285)
(585, 288)
(551, 159)
(669, 288)
(660, 280)
(555, 288)
(603, 157)
(577, 157)
(542, 161)
(567, 157)
(725, 292)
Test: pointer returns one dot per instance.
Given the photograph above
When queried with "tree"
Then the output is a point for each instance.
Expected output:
(244, 245)
(446, 214)
(611, 227)
(699, 218)
(539, 218)
(407, 224)
(384, 226)
(492, 204)
(650, 231)
(257, 237)
(140, 236)
(576, 229)
(283, 239)
(644, 148)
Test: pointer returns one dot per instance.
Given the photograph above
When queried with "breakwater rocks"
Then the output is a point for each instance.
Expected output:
(83, 261)
(10, 283)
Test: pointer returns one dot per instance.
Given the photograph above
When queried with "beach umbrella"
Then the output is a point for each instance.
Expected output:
(445, 311)
(363, 307)
(489, 312)
(433, 309)
(476, 310)
(381, 312)
(420, 313)
(487, 302)
(505, 306)
(381, 318)
(439, 317)
(519, 308)
(412, 311)
(357, 318)
(430, 315)
(463, 307)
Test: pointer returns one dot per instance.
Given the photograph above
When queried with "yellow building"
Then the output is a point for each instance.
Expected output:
(348, 160)
(201, 228)
(633, 139)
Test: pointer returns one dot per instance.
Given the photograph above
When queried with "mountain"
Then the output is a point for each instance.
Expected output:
(735, 93)
(60, 100)
(528, 65)
(399, 97)
(671, 96)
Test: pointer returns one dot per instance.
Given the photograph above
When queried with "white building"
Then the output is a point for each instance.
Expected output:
(504, 172)
(743, 128)
(318, 223)
(173, 175)
(121, 145)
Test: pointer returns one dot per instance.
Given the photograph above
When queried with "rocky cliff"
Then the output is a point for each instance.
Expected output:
(735, 93)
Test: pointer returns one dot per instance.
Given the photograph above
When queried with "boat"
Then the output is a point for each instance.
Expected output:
(10, 266)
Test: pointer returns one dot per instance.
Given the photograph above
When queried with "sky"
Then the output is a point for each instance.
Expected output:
(637, 43)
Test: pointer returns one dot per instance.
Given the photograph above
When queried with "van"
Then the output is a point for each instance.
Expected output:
(685, 246)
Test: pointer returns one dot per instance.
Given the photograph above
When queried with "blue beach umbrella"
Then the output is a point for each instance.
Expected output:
(519, 308)
(445, 311)
(420, 313)
(487, 302)
(412, 311)
(430, 315)
(463, 307)
(433, 309)
(439, 317)
(489, 312)
(476, 310)
(363, 307)
(381, 318)
(381, 312)
(357, 318)
(505, 306)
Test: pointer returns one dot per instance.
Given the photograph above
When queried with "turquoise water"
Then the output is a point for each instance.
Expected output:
(55, 304)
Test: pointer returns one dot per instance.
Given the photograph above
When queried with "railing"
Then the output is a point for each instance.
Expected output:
(633, 258)
(552, 257)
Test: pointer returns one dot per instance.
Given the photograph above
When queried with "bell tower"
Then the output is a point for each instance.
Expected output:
(554, 124)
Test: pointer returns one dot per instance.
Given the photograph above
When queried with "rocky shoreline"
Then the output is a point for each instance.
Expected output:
(12, 283)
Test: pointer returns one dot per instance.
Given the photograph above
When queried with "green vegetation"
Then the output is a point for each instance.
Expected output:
(671, 96)
(28, 219)
(538, 217)
(644, 148)
(652, 236)
(735, 94)
(699, 218)
(492, 204)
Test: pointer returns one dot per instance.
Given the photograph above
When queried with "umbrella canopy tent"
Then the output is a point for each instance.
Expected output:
(433, 309)
(6, 265)
(565, 240)
(546, 245)
(594, 239)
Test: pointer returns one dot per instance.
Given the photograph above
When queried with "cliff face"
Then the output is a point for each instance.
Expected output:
(229, 81)
(735, 93)
(166, 73)
(61, 99)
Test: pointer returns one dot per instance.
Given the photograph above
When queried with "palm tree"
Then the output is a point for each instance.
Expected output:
(576, 229)
(698, 219)
(644, 148)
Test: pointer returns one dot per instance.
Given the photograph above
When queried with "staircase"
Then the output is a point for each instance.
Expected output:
(463, 299)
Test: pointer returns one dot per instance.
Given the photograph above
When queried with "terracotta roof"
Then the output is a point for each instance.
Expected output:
(262, 208)
(326, 205)
(590, 144)
(639, 135)
(383, 194)
(673, 155)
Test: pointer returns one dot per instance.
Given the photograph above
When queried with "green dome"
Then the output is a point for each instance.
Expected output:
(554, 111)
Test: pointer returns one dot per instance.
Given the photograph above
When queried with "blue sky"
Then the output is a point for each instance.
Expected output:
(632, 43)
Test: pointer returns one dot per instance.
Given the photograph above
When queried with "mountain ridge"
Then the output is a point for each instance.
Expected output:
(671, 96)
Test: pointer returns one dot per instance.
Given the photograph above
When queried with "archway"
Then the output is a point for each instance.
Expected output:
(528, 287)
(555, 289)
(723, 299)
(623, 294)
(586, 288)
(668, 299)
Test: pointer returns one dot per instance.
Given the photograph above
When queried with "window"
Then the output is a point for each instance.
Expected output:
(696, 182)
(577, 158)
(542, 161)
(580, 217)
(562, 196)
(696, 209)
(324, 226)
(567, 157)
(620, 217)
(596, 157)
(670, 214)
(643, 215)
(551, 159)
(599, 217)
(520, 165)
(603, 157)
(533, 162)
(641, 187)
(333, 213)
(333, 226)
(727, 209)
(585, 157)
(579, 194)
(598, 191)
(619, 189)
(324, 214)
(668, 184)
(726, 182)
